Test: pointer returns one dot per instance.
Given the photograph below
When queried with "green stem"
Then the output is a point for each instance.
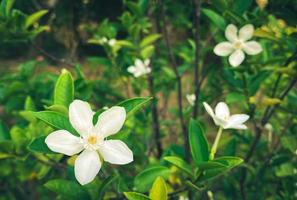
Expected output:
(215, 144)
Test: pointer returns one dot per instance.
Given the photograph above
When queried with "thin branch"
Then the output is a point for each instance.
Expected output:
(197, 33)
(52, 57)
(155, 116)
(178, 79)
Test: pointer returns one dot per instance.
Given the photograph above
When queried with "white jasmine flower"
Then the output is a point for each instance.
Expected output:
(92, 142)
(112, 42)
(191, 99)
(238, 44)
(222, 117)
(140, 68)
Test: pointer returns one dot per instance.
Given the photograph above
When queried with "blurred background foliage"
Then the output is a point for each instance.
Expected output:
(39, 38)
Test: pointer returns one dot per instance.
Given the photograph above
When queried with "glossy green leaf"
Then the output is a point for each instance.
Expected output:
(159, 189)
(135, 196)
(210, 165)
(133, 105)
(180, 163)
(147, 52)
(149, 40)
(56, 120)
(68, 189)
(32, 19)
(215, 18)
(198, 143)
(58, 108)
(229, 161)
(38, 145)
(144, 180)
(64, 89)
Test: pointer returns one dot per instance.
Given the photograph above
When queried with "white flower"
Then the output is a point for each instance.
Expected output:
(103, 40)
(191, 99)
(238, 44)
(222, 118)
(92, 142)
(140, 68)
(112, 42)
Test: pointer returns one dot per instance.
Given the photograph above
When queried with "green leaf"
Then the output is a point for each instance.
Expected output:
(58, 108)
(240, 6)
(38, 145)
(133, 105)
(198, 143)
(215, 18)
(210, 165)
(56, 120)
(105, 185)
(32, 19)
(144, 180)
(64, 89)
(180, 163)
(4, 131)
(149, 40)
(229, 161)
(135, 196)
(159, 190)
(68, 189)
(29, 104)
(226, 163)
(147, 52)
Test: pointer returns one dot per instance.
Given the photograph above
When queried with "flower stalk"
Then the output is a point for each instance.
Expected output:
(215, 144)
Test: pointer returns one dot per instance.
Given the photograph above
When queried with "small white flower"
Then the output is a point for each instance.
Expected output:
(238, 44)
(191, 99)
(140, 68)
(92, 142)
(112, 42)
(222, 118)
(103, 40)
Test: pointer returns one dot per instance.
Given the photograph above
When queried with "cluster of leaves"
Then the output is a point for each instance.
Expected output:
(30, 110)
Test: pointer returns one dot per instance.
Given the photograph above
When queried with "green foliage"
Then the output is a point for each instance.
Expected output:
(198, 143)
(64, 90)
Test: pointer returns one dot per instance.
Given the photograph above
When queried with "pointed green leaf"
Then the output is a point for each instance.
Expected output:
(180, 163)
(198, 143)
(38, 145)
(133, 105)
(159, 190)
(64, 89)
(149, 40)
(215, 18)
(135, 196)
(56, 120)
(32, 19)
(144, 180)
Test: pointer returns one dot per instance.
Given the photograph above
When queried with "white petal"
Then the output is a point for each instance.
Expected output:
(138, 63)
(231, 33)
(208, 109)
(236, 58)
(111, 121)
(116, 152)
(237, 119)
(62, 141)
(223, 49)
(222, 111)
(252, 48)
(246, 32)
(147, 62)
(81, 116)
(238, 126)
(131, 69)
(87, 166)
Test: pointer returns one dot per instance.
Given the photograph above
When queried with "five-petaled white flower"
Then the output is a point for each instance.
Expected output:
(140, 68)
(237, 44)
(191, 99)
(222, 118)
(91, 143)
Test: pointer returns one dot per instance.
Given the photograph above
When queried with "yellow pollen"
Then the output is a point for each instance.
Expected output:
(237, 45)
(92, 140)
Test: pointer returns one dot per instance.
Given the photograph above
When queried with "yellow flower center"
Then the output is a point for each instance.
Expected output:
(92, 139)
(237, 45)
